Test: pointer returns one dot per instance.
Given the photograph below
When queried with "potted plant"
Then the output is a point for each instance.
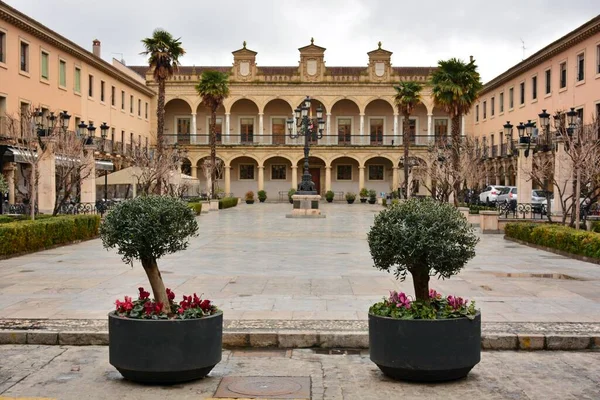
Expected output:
(329, 195)
(249, 197)
(262, 196)
(428, 337)
(350, 197)
(372, 197)
(158, 340)
(364, 193)
(291, 192)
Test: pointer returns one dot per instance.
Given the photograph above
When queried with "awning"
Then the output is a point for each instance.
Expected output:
(128, 176)
(104, 165)
(11, 154)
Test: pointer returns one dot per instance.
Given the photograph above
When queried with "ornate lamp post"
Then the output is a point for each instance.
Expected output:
(307, 127)
(508, 131)
(103, 133)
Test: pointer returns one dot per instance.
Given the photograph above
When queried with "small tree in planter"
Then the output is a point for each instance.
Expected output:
(350, 197)
(249, 197)
(329, 195)
(424, 238)
(262, 196)
(364, 193)
(372, 197)
(291, 192)
(145, 229)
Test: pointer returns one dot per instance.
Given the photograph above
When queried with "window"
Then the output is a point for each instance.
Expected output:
(113, 91)
(597, 57)
(183, 126)
(548, 81)
(376, 127)
(131, 104)
(534, 88)
(112, 135)
(278, 172)
(24, 57)
(102, 84)
(579, 119)
(62, 73)
(580, 67)
(563, 75)
(44, 69)
(344, 130)
(278, 131)
(2, 47)
(146, 110)
(522, 92)
(90, 86)
(247, 130)
(492, 106)
(440, 128)
(344, 172)
(375, 172)
(122, 100)
(77, 80)
(122, 140)
(511, 98)
(501, 101)
(246, 171)
(477, 113)
(484, 109)
(139, 107)
(412, 129)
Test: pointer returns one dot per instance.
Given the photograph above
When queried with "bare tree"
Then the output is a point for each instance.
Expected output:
(211, 171)
(153, 170)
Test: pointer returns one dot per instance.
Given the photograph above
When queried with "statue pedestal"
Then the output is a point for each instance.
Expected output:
(306, 206)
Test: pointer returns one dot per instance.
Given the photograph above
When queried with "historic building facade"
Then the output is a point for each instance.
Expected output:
(362, 140)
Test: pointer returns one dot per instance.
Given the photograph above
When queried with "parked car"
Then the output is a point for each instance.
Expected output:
(490, 194)
(507, 195)
(539, 200)
(584, 202)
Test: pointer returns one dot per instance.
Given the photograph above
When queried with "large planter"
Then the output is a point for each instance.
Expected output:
(329, 199)
(350, 201)
(262, 200)
(165, 351)
(425, 350)
(372, 201)
(249, 201)
(363, 200)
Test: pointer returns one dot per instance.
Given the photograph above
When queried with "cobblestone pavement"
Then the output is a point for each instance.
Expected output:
(258, 265)
(83, 372)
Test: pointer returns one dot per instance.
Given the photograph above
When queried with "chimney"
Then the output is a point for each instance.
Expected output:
(96, 48)
(470, 57)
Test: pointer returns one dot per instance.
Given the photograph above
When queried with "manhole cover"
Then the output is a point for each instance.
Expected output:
(266, 387)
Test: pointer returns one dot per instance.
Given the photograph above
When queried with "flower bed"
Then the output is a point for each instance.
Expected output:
(25, 236)
(228, 202)
(401, 306)
(558, 237)
(145, 308)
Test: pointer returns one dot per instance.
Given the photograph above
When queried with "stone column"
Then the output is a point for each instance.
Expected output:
(362, 129)
(9, 172)
(227, 180)
(47, 177)
(261, 138)
(361, 177)
(395, 138)
(395, 175)
(295, 177)
(328, 131)
(524, 167)
(194, 171)
(194, 130)
(88, 177)
(563, 175)
(226, 138)
(327, 178)
(261, 177)
(497, 180)
(429, 127)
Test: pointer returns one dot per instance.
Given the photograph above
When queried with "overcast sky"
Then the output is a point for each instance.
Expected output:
(419, 33)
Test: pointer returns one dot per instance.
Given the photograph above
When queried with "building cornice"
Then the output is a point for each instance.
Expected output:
(578, 35)
(27, 24)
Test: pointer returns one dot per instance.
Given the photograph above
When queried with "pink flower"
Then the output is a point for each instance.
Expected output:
(434, 295)
(456, 302)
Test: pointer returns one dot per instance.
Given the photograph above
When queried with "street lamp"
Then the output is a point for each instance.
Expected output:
(571, 120)
(81, 128)
(103, 130)
(307, 127)
(64, 120)
(103, 134)
(508, 131)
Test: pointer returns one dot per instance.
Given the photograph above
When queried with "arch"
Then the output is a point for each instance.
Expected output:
(337, 157)
(276, 98)
(229, 102)
(175, 100)
(350, 99)
(301, 160)
(373, 156)
(198, 161)
(288, 158)
(186, 166)
(384, 99)
(250, 156)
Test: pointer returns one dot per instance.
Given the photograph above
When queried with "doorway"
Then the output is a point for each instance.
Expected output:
(315, 173)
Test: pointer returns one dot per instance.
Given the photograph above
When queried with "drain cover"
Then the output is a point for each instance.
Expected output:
(265, 387)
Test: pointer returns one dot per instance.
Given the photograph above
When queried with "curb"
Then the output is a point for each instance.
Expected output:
(311, 339)
(555, 251)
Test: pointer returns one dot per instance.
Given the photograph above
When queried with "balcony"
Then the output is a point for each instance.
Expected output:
(494, 150)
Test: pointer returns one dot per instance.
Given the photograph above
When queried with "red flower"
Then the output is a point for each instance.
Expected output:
(158, 307)
(143, 294)
(148, 307)
(205, 305)
(180, 310)
(170, 295)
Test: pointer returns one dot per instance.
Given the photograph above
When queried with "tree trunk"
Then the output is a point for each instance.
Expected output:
(155, 279)
(160, 127)
(456, 153)
(32, 191)
(421, 283)
(213, 152)
(406, 143)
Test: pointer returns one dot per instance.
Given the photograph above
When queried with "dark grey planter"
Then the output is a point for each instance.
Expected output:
(363, 200)
(249, 201)
(425, 350)
(165, 351)
(372, 201)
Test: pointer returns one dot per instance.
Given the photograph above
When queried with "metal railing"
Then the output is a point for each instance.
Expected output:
(514, 210)
(99, 207)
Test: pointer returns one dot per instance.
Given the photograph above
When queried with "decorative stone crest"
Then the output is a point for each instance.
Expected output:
(244, 64)
(380, 64)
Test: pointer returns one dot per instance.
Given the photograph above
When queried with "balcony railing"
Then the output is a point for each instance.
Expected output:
(281, 140)
(494, 150)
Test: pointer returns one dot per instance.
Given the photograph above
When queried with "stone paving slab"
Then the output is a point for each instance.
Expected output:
(68, 373)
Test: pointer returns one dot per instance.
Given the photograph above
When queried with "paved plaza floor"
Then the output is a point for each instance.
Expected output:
(73, 373)
(256, 264)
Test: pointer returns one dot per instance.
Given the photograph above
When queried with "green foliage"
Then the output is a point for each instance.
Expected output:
(228, 202)
(148, 227)
(262, 195)
(408, 96)
(395, 201)
(400, 306)
(197, 207)
(291, 192)
(329, 195)
(372, 194)
(423, 237)
(595, 226)
(163, 52)
(456, 86)
(557, 237)
(4, 219)
(24, 236)
(213, 88)
(3, 185)
(364, 193)
(350, 196)
(384, 202)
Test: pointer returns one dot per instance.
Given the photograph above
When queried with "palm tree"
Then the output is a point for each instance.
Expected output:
(213, 88)
(408, 96)
(456, 87)
(164, 52)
